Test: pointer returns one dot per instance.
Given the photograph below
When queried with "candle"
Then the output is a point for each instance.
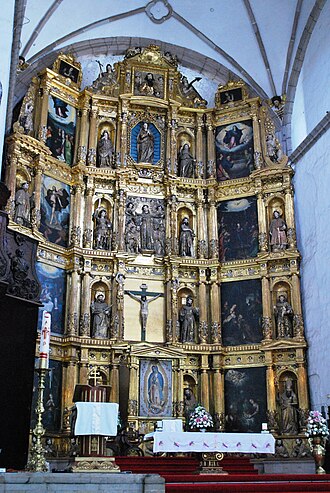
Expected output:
(264, 427)
(44, 340)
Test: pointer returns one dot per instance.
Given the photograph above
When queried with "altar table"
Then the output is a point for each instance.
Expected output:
(246, 443)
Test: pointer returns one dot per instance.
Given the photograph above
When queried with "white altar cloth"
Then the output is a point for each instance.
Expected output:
(96, 418)
(247, 443)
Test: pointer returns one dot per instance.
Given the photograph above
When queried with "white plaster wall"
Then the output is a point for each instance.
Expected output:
(312, 205)
(6, 36)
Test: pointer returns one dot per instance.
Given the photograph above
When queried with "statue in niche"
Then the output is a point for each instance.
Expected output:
(284, 317)
(104, 150)
(27, 118)
(145, 144)
(186, 239)
(101, 312)
(186, 163)
(277, 232)
(120, 280)
(190, 404)
(102, 232)
(274, 151)
(146, 229)
(189, 317)
(23, 205)
(289, 403)
(159, 230)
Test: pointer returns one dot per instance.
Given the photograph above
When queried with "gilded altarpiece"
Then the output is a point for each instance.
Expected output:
(174, 225)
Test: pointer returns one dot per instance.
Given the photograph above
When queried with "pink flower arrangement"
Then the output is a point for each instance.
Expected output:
(200, 418)
(316, 425)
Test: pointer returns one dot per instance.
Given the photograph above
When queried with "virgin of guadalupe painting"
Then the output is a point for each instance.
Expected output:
(52, 280)
(241, 312)
(238, 229)
(155, 388)
(61, 128)
(145, 143)
(55, 211)
(234, 150)
(245, 400)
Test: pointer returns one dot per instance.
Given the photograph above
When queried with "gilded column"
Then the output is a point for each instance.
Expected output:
(92, 140)
(174, 225)
(218, 393)
(201, 227)
(257, 142)
(266, 306)
(213, 226)
(85, 318)
(205, 391)
(289, 218)
(298, 323)
(174, 299)
(174, 150)
(88, 213)
(73, 303)
(133, 388)
(215, 308)
(75, 233)
(203, 326)
(69, 383)
(83, 366)
(43, 112)
(119, 234)
(271, 394)
(199, 146)
(35, 215)
(263, 236)
(168, 222)
(302, 381)
(211, 160)
(169, 333)
(179, 395)
(123, 133)
(82, 145)
(114, 393)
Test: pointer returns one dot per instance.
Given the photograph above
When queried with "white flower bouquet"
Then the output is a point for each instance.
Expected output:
(200, 418)
(316, 425)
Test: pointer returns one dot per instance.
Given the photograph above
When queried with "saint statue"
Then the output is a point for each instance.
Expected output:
(186, 162)
(155, 390)
(146, 229)
(145, 144)
(102, 232)
(22, 205)
(283, 317)
(190, 404)
(289, 403)
(101, 312)
(277, 231)
(186, 239)
(188, 319)
(104, 150)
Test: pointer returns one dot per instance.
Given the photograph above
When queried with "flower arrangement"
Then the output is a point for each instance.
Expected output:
(200, 418)
(316, 425)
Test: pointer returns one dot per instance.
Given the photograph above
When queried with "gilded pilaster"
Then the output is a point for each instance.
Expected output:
(85, 319)
(266, 304)
(205, 391)
(215, 308)
(203, 325)
(88, 213)
(263, 237)
(133, 387)
(212, 226)
(73, 303)
(210, 148)
(114, 382)
(218, 391)
(92, 140)
(201, 227)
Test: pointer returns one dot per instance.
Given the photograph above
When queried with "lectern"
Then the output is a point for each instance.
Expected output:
(95, 418)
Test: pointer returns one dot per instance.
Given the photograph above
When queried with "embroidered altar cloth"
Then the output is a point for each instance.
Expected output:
(247, 443)
(96, 418)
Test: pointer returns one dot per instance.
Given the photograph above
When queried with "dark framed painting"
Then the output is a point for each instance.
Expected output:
(61, 129)
(53, 291)
(231, 95)
(238, 229)
(234, 150)
(51, 418)
(55, 211)
(145, 143)
(245, 399)
(155, 388)
(241, 312)
(68, 71)
(149, 84)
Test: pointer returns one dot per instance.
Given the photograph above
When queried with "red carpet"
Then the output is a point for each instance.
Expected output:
(181, 476)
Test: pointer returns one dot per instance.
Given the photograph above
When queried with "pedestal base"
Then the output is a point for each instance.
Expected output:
(210, 463)
(94, 464)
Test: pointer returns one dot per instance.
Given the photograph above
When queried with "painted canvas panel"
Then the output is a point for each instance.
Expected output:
(245, 400)
(155, 388)
(238, 229)
(149, 84)
(53, 289)
(231, 95)
(61, 129)
(55, 211)
(234, 150)
(145, 143)
(241, 312)
(51, 419)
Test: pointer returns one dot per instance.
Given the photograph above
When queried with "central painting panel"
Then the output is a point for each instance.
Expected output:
(155, 388)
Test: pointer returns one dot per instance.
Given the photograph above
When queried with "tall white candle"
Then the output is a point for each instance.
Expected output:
(44, 340)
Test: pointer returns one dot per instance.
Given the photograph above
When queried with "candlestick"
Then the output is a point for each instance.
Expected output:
(44, 340)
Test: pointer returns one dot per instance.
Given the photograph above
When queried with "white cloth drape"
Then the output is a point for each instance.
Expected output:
(96, 418)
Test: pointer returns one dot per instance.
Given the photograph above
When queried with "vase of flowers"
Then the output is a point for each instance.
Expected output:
(200, 419)
(317, 432)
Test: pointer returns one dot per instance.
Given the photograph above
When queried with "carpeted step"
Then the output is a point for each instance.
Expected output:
(263, 478)
(297, 487)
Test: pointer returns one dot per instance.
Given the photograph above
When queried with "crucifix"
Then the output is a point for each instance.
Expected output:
(141, 297)
(95, 376)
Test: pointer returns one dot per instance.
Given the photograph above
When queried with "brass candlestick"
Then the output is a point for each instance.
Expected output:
(37, 460)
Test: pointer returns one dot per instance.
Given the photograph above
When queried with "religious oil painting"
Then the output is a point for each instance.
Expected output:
(145, 143)
(51, 418)
(52, 280)
(231, 96)
(61, 128)
(245, 400)
(155, 388)
(241, 312)
(238, 229)
(68, 71)
(234, 150)
(149, 84)
(55, 211)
